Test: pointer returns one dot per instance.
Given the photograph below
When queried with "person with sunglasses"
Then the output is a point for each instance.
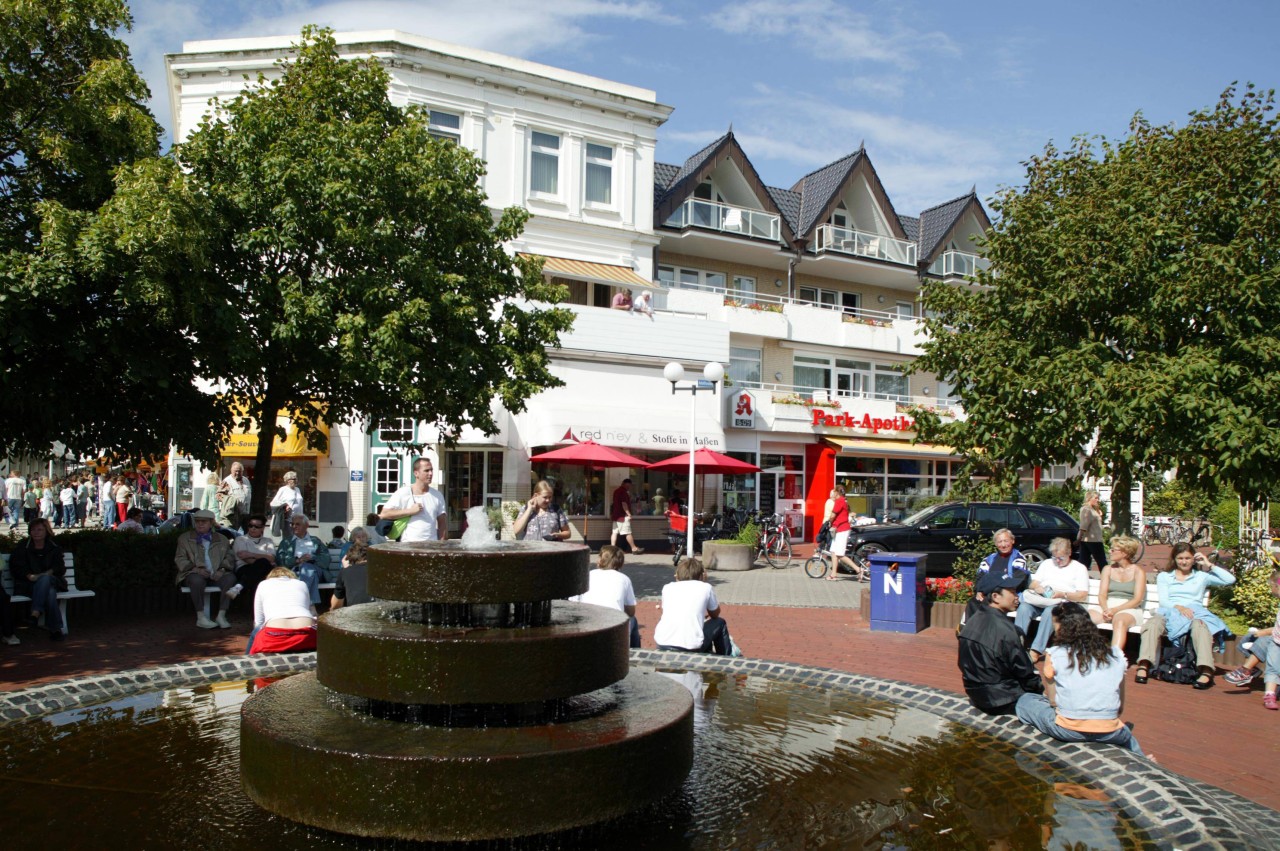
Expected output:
(255, 554)
(1058, 578)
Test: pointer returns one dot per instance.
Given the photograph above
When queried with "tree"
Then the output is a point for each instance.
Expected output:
(361, 274)
(1131, 315)
(92, 349)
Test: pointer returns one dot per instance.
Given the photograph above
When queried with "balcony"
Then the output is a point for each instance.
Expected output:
(958, 265)
(859, 243)
(738, 221)
(686, 335)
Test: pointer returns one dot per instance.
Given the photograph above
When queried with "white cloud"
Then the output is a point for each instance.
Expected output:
(830, 30)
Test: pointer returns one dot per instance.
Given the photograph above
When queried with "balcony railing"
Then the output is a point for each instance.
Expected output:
(784, 393)
(726, 219)
(862, 244)
(958, 264)
(763, 301)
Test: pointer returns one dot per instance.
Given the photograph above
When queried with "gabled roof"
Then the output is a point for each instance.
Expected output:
(937, 224)
(789, 203)
(663, 174)
(822, 189)
(911, 225)
(700, 166)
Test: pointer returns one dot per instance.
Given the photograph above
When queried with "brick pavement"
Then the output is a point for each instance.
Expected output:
(1218, 736)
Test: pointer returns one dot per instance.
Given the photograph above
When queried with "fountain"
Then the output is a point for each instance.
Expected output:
(479, 705)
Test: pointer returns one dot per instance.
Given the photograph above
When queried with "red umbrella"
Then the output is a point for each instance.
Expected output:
(588, 453)
(702, 461)
(705, 461)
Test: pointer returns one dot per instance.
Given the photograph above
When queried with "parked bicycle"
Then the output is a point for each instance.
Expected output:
(678, 534)
(774, 543)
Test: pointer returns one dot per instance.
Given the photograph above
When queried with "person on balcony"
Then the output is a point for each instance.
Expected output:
(621, 300)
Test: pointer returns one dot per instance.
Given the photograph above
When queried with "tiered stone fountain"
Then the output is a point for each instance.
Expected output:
(484, 706)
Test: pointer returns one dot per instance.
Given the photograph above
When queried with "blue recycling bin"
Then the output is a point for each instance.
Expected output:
(897, 592)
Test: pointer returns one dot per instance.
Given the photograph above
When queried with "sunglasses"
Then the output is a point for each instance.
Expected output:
(256, 526)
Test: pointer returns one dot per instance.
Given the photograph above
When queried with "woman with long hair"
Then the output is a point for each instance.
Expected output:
(38, 572)
(1083, 676)
(1123, 591)
(1090, 534)
(541, 519)
(1182, 611)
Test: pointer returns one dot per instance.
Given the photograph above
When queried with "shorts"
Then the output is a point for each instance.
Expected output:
(840, 542)
(622, 527)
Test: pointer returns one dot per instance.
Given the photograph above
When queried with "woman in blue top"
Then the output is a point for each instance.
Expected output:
(1181, 593)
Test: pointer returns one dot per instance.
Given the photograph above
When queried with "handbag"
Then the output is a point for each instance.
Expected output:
(823, 539)
(397, 528)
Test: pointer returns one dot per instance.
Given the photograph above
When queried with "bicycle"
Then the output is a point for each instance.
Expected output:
(818, 564)
(774, 543)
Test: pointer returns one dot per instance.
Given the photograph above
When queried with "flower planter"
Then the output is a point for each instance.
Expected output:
(943, 615)
(722, 555)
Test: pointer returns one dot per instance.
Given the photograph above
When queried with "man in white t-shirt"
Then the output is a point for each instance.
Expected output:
(422, 503)
(15, 489)
(691, 614)
(608, 586)
(1058, 578)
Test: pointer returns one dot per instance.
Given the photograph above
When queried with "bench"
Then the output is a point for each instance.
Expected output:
(335, 557)
(72, 592)
(1150, 603)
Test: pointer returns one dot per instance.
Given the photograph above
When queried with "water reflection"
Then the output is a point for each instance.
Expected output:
(777, 765)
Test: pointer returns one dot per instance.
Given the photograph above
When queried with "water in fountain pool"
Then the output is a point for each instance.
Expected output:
(776, 765)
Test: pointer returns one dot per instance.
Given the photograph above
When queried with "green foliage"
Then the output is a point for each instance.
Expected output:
(1143, 272)
(1179, 498)
(965, 572)
(350, 260)
(1069, 497)
(748, 533)
(119, 559)
(1251, 595)
(1226, 514)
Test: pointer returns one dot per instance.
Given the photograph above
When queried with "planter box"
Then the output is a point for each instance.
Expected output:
(718, 555)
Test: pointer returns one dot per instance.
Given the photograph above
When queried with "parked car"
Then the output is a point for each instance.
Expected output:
(932, 530)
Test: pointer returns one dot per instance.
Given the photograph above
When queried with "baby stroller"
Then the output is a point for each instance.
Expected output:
(678, 534)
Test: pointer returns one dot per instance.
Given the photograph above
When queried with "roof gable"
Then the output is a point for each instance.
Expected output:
(701, 165)
(938, 224)
(823, 188)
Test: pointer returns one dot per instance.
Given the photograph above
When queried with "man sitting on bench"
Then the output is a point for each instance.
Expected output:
(203, 557)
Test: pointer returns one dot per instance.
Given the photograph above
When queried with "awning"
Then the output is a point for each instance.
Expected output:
(628, 428)
(599, 273)
(294, 445)
(893, 448)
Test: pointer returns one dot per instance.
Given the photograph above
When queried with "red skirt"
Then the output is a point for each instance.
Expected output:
(270, 640)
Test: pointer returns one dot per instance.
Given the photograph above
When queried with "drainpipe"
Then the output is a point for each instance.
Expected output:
(791, 274)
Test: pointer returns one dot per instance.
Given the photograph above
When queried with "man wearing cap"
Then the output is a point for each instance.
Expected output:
(620, 514)
(995, 668)
(204, 557)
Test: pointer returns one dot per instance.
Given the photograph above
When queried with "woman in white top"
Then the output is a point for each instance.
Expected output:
(286, 503)
(691, 619)
(611, 588)
(284, 621)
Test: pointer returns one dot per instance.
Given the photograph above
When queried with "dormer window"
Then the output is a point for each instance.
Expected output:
(704, 191)
(840, 217)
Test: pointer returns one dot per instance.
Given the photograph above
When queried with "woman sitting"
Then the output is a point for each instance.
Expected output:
(691, 619)
(611, 588)
(37, 569)
(1122, 592)
(284, 621)
(304, 554)
(1082, 677)
(351, 588)
(1182, 611)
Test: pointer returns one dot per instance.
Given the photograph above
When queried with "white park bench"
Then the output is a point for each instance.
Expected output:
(1150, 603)
(72, 592)
(335, 557)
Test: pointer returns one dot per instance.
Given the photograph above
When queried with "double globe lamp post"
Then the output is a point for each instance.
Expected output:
(712, 374)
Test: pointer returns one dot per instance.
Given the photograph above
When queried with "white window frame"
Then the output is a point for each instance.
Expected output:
(388, 469)
(401, 426)
(443, 131)
(684, 278)
(744, 284)
(745, 355)
(906, 310)
(536, 149)
(589, 160)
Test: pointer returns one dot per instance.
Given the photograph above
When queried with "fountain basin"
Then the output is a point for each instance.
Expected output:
(367, 650)
(446, 572)
(309, 758)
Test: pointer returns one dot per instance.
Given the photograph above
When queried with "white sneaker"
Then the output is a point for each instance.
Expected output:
(222, 621)
(234, 591)
(204, 623)
(11, 639)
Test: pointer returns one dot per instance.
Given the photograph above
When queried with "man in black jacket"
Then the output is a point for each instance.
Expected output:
(995, 667)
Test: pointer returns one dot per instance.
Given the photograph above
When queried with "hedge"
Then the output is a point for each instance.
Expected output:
(117, 560)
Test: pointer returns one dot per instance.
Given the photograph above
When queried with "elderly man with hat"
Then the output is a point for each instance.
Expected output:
(204, 557)
(995, 667)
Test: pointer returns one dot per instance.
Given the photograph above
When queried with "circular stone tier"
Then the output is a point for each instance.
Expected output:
(367, 651)
(308, 759)
(505, 572)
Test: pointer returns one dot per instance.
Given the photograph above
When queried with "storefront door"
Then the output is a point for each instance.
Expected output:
(782, 490)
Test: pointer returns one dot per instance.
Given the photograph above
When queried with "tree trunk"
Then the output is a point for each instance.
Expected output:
(1121, 485)
(266, 416)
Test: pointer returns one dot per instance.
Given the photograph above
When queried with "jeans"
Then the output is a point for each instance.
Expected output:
(715, 639)
(310, 574)
(1022, 621)
(15, 511)
(108, 515)
(44, 598)
(68, 516)
(1035, 709)
(1268, 652)
(635, 632)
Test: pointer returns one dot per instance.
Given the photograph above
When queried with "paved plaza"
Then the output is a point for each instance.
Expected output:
(1217, 736)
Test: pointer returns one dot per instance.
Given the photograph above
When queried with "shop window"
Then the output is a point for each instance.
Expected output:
(386, 474)
(469, 481)
(396, 431)
(739, 492)
(544, 164)
(599, 174)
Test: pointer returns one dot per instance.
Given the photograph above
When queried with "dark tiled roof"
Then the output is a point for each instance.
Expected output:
(817, 187)
(936, 221)
(663, 174)
(696, 161)
(911, 225)
(788, 204)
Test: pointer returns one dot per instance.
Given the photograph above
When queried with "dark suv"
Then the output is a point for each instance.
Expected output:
(931, 530)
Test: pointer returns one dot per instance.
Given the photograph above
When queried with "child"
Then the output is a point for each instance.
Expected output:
(1263, 650)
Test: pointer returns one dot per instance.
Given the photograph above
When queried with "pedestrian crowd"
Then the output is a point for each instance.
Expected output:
(74, 501)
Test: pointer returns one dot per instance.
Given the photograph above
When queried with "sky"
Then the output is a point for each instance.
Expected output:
(945, 96)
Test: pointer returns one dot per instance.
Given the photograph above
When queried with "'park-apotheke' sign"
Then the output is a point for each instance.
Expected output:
(873, 424)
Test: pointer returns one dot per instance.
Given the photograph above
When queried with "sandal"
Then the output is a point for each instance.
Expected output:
(1203, 684)
(1140, 676)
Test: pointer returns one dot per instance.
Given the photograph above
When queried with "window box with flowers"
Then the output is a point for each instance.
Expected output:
(753, 305)
(803, 401)
(866, 320)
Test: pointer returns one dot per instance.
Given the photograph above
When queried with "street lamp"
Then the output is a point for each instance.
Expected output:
(712, 374)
